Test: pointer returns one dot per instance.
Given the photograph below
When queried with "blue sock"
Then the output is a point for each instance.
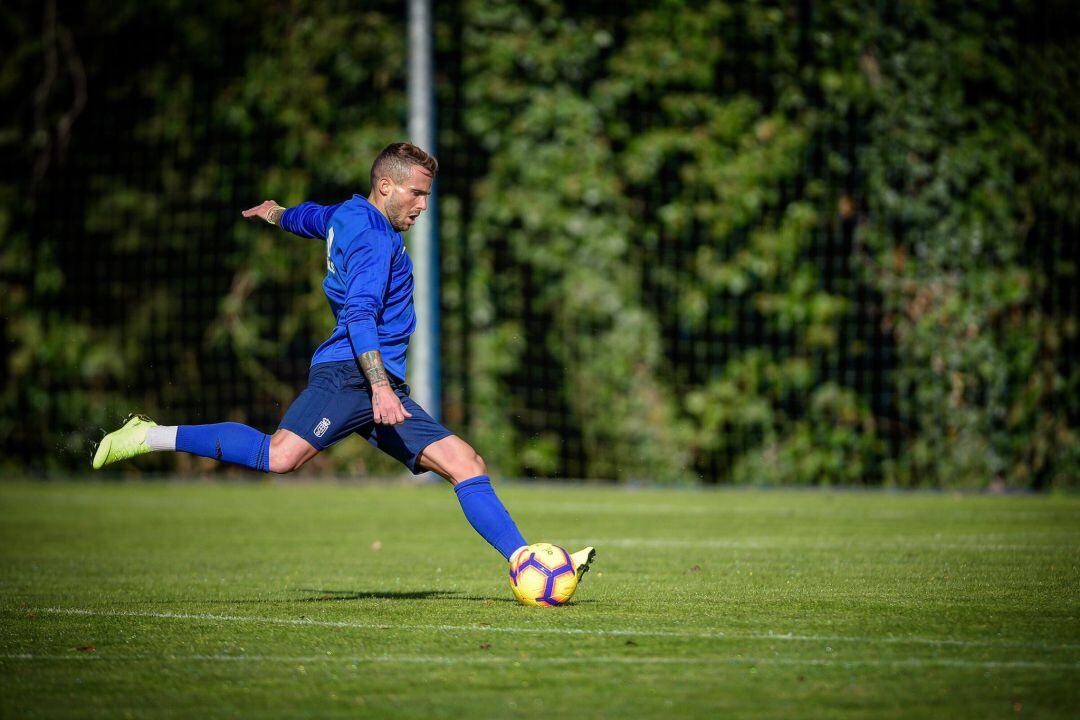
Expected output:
(488, 516)
(229, 442)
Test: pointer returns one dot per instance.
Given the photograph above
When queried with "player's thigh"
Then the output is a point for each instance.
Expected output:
(406, 441)
(289, 451)
(333, 406)
(453, 458)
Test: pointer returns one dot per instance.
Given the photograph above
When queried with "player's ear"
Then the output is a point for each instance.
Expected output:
(385, 185)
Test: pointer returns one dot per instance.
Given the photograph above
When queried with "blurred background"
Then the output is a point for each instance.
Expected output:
(809, 243)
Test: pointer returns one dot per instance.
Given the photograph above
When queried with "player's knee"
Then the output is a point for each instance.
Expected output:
(281, 463)
(479, 465)
(284, 458)
(469, 465)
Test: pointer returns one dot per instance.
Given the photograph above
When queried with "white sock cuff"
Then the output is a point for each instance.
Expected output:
(162, 437)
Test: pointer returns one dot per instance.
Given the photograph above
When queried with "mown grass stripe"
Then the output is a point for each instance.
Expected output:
(698, 635)
(577, 660)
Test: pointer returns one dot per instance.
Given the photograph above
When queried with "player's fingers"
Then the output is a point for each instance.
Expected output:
(253, 212)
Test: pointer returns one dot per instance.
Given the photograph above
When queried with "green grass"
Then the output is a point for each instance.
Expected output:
(270, 600)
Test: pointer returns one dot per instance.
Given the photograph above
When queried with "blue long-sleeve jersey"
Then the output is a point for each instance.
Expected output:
(368, 284)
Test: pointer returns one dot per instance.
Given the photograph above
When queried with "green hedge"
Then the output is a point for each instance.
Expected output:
(779, 187)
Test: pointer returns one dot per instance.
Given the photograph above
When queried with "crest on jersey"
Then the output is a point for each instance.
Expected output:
(322, 427)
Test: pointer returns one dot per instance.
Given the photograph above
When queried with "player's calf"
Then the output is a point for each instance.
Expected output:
(455, 460)
(488, 516)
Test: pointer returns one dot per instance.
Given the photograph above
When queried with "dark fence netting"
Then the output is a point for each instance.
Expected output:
(726, 242)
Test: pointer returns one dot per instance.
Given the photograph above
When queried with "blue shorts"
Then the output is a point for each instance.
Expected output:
(337, 403)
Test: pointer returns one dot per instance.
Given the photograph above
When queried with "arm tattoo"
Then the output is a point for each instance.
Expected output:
(372, 365)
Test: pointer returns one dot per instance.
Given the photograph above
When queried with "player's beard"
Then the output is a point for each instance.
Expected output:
(396, 216)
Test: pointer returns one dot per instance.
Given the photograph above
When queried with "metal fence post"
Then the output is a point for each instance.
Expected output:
(423, 238)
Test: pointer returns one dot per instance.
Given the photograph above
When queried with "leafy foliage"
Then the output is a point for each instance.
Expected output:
(751, 242)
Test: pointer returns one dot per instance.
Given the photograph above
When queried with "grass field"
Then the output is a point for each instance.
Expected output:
(198, 600)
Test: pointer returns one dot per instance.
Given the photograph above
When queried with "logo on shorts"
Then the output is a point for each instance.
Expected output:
(321, 428)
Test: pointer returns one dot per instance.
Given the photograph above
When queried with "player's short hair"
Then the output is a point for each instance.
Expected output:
(395, 160)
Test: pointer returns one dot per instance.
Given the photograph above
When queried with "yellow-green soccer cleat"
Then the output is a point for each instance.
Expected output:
(127, 442)
(582, 559)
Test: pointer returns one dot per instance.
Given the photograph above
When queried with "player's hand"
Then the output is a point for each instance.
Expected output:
(260, 211)
(386, 406)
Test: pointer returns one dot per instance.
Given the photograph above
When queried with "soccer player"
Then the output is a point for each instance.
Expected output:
(356, 382)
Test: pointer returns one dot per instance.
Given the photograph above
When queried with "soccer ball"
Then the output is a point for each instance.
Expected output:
(543, 575)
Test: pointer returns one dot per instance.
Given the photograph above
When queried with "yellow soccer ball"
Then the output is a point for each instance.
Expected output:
(543, 575)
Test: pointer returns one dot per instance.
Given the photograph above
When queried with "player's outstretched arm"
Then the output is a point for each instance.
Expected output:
(307, 219)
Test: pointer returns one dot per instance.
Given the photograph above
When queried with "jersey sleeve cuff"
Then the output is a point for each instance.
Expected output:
(363, 337)
(286, 220)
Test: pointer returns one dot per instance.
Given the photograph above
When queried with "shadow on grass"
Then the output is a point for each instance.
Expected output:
(347, 595)
(343, 596)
